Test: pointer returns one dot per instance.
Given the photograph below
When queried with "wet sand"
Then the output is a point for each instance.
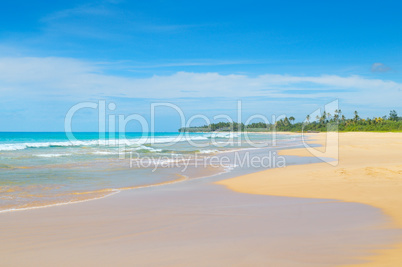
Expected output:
(369, 172)
(194, 223)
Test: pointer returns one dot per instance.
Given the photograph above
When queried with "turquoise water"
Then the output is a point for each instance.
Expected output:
(38, 169)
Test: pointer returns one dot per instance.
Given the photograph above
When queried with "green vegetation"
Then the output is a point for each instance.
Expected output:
(327, 122)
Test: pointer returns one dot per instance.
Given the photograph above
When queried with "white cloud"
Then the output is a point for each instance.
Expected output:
(64, 77)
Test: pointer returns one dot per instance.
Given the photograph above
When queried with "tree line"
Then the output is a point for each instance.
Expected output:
(325, 122)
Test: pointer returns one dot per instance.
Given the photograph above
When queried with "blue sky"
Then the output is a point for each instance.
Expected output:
(277, 57)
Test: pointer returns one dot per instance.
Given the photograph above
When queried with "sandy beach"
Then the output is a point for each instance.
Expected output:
(200, 133)
(369, 172)
(290, 217)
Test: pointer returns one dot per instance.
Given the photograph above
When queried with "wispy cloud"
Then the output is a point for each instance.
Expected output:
(63, 77)
(88, 18)
(190, 63)
(84, 10)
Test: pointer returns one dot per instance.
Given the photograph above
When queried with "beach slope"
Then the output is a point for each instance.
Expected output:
(369, 172)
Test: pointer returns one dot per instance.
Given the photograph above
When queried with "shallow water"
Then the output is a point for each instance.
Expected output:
(39, 169)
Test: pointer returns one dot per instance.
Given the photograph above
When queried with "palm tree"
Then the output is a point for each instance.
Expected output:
(291, 119)
(324, 116)
(356, 118)
(336, 116)
(308, 118)
(393, 116)
(286, 121)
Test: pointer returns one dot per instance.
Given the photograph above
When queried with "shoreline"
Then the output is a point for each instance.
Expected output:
(106, 192)
(175, 224)
(112, 191)
(369, 172)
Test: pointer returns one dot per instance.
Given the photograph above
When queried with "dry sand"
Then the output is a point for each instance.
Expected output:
(194, 223)
(369, 172)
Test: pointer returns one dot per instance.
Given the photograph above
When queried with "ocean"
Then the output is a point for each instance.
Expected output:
(42, 168)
